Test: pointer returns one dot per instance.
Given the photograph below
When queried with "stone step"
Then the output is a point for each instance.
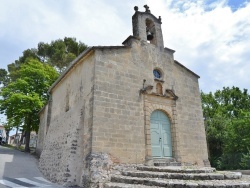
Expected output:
(124, 185)
(162, 163)
(177, 169)
(131, 181)
(184, 176)
(166, 162)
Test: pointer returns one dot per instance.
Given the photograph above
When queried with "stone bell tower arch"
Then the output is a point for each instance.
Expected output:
(147, 27)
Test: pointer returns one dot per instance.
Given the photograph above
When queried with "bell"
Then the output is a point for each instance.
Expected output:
(149, 36)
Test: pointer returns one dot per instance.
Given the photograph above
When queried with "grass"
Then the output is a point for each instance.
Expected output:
(8, 146)
(20, 148)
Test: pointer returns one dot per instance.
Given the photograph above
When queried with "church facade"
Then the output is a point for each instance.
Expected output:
(129, 104)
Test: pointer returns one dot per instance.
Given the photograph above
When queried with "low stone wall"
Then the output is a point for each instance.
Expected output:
(99, 167)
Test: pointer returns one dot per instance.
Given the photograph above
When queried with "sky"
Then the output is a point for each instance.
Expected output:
(210, 37)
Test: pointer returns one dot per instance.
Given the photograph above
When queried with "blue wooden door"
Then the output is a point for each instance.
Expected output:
(160, 135)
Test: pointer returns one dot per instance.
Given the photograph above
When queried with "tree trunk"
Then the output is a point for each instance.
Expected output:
(7, 136)
(27, 141)
(27, 133)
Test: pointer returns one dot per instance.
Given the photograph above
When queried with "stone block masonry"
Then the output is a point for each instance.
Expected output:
(100, 110)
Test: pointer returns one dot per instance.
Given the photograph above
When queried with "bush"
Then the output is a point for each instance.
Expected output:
(245, 160)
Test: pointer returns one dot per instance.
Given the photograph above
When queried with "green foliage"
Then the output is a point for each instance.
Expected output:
(215, 130)
(8, 128)
(23, 98)
(245, 161)
(227, 120)
(238, 136)
(3, 77)
(14, 67)
(28, 54)
(25, 85)
(58, 54)
(229, 161)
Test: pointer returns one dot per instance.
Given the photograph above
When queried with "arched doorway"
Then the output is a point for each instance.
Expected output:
(160, 135)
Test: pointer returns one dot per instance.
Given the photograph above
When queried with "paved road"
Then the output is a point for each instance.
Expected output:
(19, 170)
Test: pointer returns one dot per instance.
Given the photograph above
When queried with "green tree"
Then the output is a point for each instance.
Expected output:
(238, 135)
(60, 53)
(3, 77)
(24, 97)
(226, 113)
(25, 84)
(14, 67)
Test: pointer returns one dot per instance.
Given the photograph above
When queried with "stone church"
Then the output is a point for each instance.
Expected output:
(114, 105)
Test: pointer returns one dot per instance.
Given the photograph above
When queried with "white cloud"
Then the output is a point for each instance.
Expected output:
(215, 44)
(210, 39)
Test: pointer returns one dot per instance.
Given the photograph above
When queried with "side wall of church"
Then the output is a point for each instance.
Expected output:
(118, 109)
(191, 131)
(68, 141)
(42, 130)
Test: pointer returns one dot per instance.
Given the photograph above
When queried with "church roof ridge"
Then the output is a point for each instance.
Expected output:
(71, 65)
(130, 37)
(80, 56)
(178, 63)
(108, 47)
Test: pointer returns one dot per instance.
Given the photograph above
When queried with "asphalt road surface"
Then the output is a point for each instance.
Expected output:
(19, 170)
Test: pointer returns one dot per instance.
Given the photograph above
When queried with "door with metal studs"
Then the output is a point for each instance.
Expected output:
(160, 135)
